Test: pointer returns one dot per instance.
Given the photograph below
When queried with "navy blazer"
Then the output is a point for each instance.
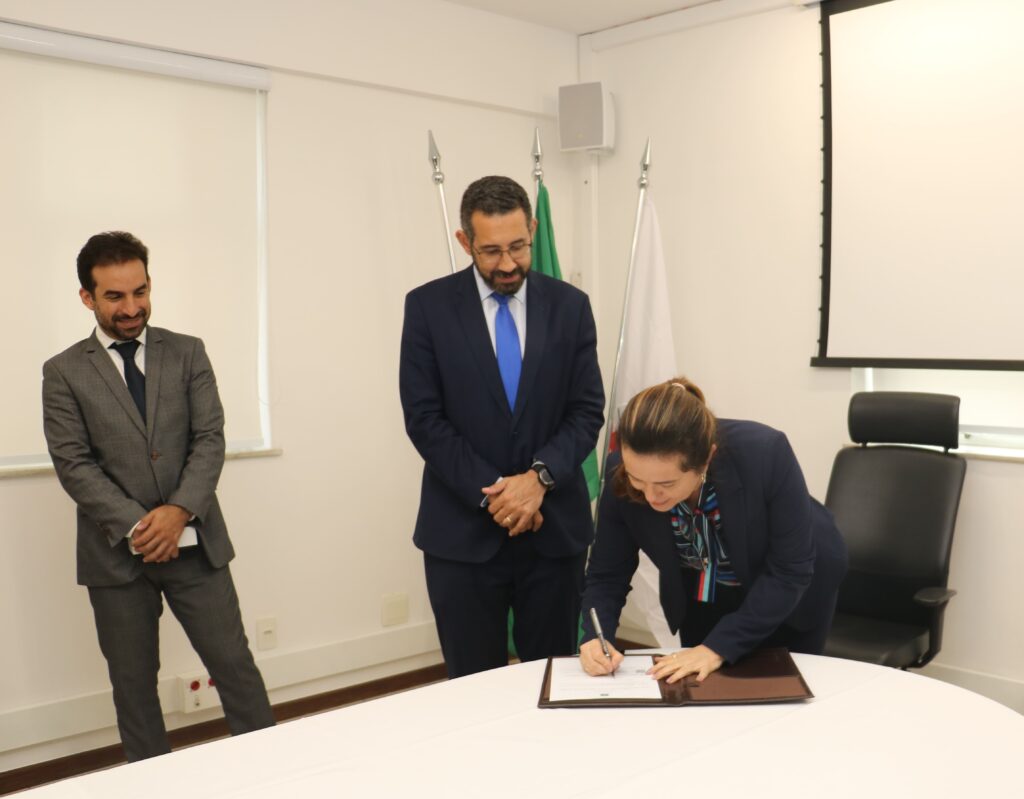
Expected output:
(458, 417)
(784, 545)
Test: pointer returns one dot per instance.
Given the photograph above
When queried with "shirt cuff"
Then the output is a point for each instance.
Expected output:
(483, 502)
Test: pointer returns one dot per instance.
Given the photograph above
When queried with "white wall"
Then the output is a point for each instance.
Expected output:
(325, 529)
(729, 94)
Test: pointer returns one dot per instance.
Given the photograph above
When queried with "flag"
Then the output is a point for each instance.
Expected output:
(545, 261)
(545, 256)
(647, 357)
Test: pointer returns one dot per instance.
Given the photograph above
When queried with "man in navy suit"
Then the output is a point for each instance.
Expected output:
(503, 398)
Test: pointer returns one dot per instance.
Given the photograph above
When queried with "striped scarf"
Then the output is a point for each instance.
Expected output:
(698, 538)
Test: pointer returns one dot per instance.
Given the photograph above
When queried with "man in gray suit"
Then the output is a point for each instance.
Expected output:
(135, 428)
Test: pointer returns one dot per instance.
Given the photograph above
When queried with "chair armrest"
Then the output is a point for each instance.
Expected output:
(934, 597)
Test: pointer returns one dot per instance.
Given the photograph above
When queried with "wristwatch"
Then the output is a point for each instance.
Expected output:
(543, 475)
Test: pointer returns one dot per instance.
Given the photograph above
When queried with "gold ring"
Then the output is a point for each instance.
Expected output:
(508, 519)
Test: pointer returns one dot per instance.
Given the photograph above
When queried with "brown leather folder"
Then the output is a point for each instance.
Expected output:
(766, 675)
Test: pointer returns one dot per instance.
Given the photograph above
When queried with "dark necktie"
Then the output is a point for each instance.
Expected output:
(506, 347)
(132, 376)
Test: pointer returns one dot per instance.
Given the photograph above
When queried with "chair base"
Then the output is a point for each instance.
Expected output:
(883, 643)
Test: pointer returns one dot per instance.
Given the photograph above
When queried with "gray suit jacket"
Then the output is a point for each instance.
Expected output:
(117, 467)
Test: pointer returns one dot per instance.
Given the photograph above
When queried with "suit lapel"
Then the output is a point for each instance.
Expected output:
(733, 507)
(660, 546)
(537, 319)
(470, 312)
(670, 574)
(100, 359)
(662, 541)
(154, 369)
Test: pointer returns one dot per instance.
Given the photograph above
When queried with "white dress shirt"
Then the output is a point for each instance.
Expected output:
(516, 306)
(140, 354)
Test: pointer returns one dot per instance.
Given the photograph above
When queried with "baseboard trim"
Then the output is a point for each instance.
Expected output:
(20, 779)
(1004, 690)
(287, 675)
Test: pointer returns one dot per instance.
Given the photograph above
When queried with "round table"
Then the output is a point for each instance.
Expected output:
(869, 731)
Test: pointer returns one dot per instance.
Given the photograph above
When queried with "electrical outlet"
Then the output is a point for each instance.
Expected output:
(394, 609)
(266, 633)
(197, 692)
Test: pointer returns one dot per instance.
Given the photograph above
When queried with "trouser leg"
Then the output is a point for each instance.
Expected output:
(470, 603)
(204, 600)
(127, 624)
(546, 602)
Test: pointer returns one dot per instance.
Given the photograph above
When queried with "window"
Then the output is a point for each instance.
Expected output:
(923, 174)
(991, 411)
(179, 162)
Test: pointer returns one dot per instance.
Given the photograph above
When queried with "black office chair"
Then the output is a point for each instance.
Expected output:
(896, 506)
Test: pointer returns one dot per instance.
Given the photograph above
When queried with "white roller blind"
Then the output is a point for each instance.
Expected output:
(87, 148)
(927, 238)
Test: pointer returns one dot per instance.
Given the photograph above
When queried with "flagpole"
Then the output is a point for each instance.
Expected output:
(538, 168)
(645, 165)
(438, 176)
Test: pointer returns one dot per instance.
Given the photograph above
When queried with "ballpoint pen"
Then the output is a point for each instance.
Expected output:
(600, 635)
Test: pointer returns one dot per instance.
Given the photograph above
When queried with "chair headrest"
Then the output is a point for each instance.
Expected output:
(905, 417)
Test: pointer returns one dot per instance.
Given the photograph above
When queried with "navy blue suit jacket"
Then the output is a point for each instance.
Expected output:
(458, 417)
(783, 545)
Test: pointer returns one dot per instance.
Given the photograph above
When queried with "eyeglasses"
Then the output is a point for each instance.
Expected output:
(518, 251)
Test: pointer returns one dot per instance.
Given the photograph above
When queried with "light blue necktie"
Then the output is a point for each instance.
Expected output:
(506, 345)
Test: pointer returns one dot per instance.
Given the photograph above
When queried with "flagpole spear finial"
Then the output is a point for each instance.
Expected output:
(538, 157)
(435, 158)
(438, 177)
(645, 164)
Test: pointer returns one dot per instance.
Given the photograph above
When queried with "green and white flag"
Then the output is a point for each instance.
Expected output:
(545, 261)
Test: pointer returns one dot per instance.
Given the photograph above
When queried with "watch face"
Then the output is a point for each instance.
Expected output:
(544, 476)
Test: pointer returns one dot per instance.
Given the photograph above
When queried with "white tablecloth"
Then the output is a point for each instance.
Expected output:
(869, 731)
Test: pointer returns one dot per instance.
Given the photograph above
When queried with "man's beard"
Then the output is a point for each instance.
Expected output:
(501, 287)
(132, 333)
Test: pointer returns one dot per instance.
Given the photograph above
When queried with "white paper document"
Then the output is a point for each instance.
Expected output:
(189, 538)
(631, 681)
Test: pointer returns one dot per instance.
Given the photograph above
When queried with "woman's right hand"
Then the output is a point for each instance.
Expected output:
(594, 662)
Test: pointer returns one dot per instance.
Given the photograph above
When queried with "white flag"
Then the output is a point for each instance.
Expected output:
(648, 357)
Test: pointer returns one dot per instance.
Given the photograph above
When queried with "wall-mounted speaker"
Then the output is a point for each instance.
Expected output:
(586, 119)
